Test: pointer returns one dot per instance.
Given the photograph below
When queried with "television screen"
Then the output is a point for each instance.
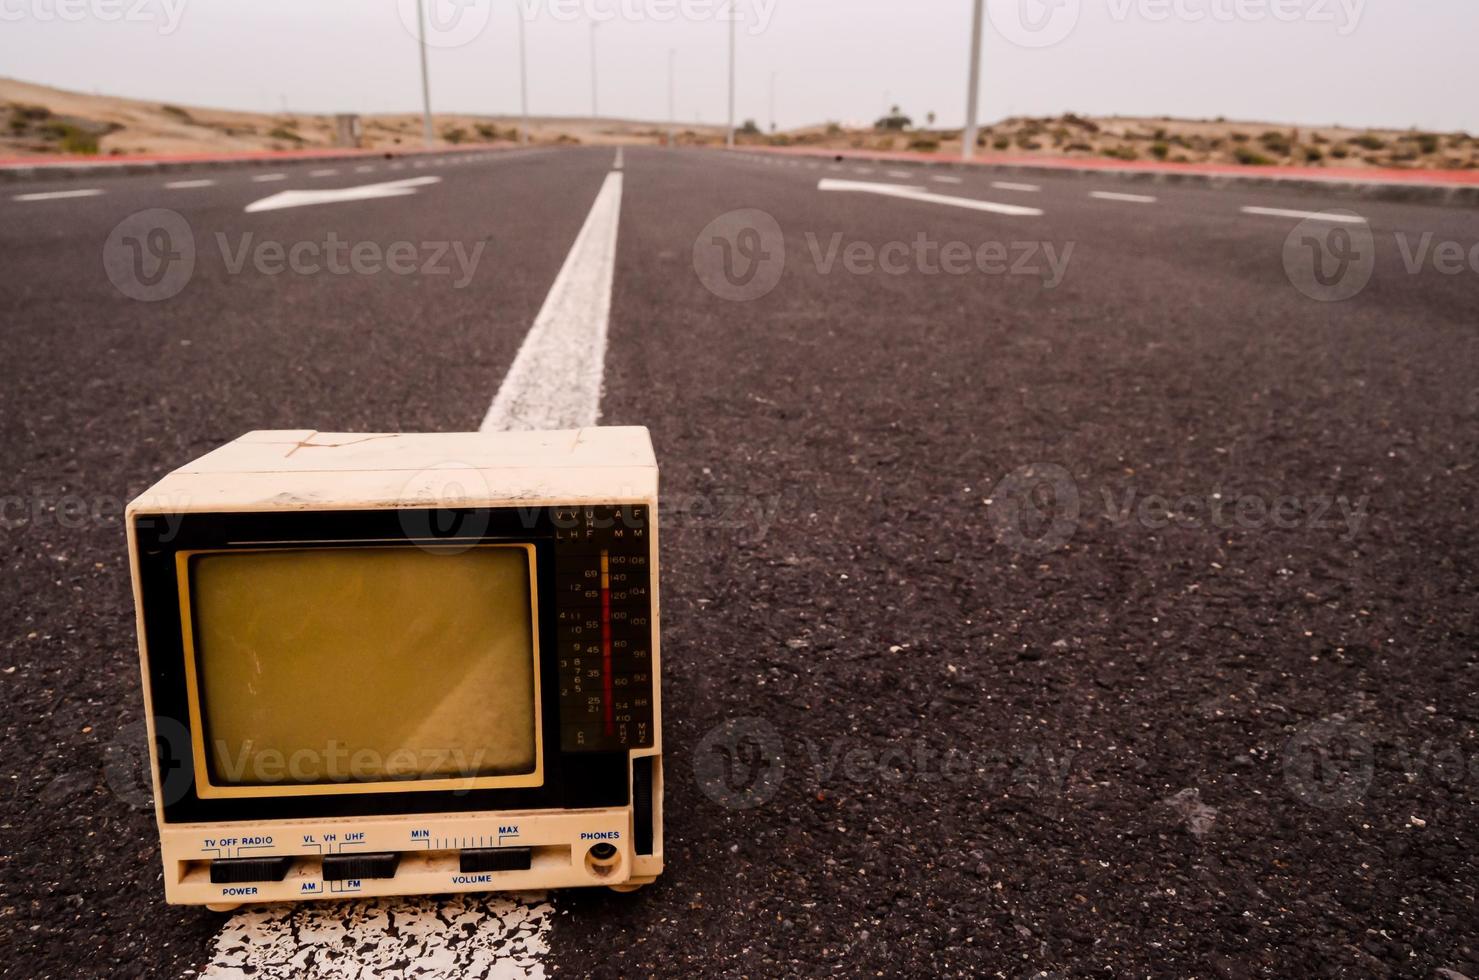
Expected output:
(335, 666)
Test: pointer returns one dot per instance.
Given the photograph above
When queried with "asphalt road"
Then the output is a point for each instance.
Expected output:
(995, 711)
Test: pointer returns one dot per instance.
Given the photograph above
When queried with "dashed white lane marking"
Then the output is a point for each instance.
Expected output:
(1336, 216)
(363, 168)
(56, 195)
(555, 379)
(1010, 185)
(323, 172)
(477, 936)
(920, 194)
(899, 174)
(946, 179)
(268, 178)
(862, 170)
(1127, 198)
(179, 185)
(616, 164)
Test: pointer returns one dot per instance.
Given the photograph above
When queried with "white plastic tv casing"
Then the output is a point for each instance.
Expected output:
(305, 470)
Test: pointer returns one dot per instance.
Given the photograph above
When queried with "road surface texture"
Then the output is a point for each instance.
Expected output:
(1098, 600)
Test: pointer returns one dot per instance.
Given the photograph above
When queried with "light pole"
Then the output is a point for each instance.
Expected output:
(523, 82)
(968, 139)
(595, 104)
(772, 102)
(729, 139)
(672, 97)
(425, 80)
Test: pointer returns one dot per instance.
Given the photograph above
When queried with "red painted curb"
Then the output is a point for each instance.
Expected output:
(1449, 178)
(285, 156)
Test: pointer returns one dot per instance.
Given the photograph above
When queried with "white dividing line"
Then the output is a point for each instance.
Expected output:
(616, 164)
(555, 379)
(325, 172)
(554, 382)
(899, 174)
(920, 194)
(484, 936)
(179, 185)
(946, 179)
(363, 168)
(268, 178)
(1127, 198)
(340, 195)
(1008, 185)
(1336, 216)
(56, 195)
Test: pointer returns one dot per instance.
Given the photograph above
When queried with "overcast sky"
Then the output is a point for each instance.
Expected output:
(1374, 62)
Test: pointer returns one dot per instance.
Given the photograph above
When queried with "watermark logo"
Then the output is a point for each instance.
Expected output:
(1034, 23)
(164, 14)
(740, 255)
(1330, 261)
(1035, 508)
(126, 762)
(445, 23)
(740, 763)
(1329, 763)
(150, 255)
(924, 256)
(446, 509)
(753, 16)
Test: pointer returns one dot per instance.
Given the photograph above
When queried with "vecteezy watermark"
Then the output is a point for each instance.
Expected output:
(1333, 262)
(1333, 762)
(924, 256)
(1041, 23)
(740, 255)
(151, 255)
(1037, 508)
(741, 763)
(165, 14)
(752, 16)
(1330, 258)
(338, 257)
(453, 23)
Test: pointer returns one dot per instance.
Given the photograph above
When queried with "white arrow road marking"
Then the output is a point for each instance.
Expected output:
(465, 936)
(555, 379)
(913, 193)
(338, 195)
(1350, 219)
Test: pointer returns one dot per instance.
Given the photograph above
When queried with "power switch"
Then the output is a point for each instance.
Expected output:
(342, 867)
(495, 859)
(232, 871)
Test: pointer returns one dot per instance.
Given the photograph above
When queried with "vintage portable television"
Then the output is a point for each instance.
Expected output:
(402, 664)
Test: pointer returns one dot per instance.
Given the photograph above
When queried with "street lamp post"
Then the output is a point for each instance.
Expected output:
(672, 97)
(595, 103)
(729, 139)
(968, 139)
(523, 83)
(425, 79)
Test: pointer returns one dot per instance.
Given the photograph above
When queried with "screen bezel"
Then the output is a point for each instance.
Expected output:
(207, 788)
(572, 780)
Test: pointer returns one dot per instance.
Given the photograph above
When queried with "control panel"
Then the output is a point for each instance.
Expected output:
(603, 607)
